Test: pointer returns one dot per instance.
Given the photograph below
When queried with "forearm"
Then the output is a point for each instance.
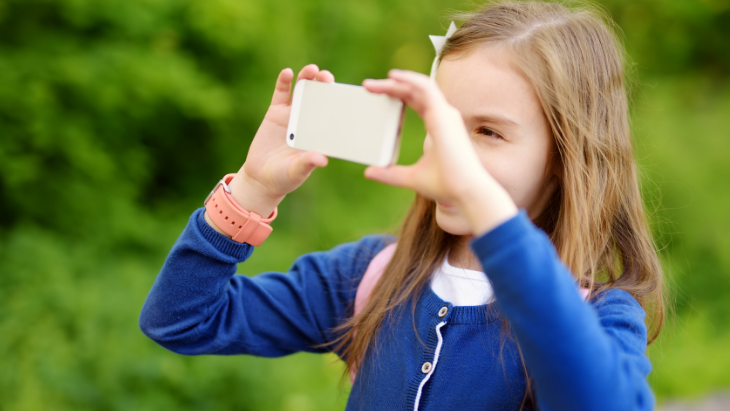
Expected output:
(198, 305)
(193, 280)
(577, 359)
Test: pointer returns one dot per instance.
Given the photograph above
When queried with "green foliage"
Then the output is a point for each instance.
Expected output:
(681, 144)
(118, 116)
(71, 340)
(682, 140)
(672, 37)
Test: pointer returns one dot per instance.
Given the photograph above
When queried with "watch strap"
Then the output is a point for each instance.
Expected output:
(241, 225)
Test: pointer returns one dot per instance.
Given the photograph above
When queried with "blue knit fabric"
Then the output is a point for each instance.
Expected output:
(580, 355)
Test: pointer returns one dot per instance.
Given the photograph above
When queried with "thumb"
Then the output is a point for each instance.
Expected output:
(307, 161)
(394, 175)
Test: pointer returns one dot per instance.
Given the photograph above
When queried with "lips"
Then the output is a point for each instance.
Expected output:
(444, 204)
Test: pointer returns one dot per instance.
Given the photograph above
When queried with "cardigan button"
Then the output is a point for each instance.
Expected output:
(443, 311)
(426, 367)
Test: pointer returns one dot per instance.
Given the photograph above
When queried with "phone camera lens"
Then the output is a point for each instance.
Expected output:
(291, 136)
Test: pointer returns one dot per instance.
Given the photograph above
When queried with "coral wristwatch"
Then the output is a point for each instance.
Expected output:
(231, 218)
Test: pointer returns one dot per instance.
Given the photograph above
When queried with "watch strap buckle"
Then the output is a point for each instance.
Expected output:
(225, 187)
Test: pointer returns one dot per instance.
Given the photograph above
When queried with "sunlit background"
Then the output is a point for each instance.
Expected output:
(117, 117)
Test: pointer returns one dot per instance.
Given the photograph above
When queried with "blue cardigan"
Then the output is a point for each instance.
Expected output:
(580, 355)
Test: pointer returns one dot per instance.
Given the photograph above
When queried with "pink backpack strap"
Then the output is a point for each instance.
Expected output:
(369, 279)
(371, 276)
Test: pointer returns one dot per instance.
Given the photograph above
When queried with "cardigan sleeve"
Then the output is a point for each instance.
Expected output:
(198, 305)
(580, 356)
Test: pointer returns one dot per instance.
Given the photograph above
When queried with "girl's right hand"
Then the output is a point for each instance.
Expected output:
(273, 169)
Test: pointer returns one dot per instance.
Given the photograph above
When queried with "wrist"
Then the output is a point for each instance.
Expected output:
(487, 207)
(213, 225)
(230, 217)
(251, 196)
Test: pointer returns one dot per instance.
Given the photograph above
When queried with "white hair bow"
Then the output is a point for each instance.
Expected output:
(438, 43)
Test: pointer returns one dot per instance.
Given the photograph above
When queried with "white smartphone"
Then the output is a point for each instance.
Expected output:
(345, 121)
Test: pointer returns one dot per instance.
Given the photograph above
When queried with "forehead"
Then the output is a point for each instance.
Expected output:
(484, 82)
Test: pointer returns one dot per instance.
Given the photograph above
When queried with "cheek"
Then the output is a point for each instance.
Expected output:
(520, 172)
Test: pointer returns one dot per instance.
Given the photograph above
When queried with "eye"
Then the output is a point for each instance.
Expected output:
(489, 132)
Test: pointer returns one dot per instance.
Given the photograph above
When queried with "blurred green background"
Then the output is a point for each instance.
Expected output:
(118, 116)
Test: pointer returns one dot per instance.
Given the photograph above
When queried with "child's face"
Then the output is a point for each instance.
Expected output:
(483, 84)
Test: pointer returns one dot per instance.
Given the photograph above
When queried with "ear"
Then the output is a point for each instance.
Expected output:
(555, 164)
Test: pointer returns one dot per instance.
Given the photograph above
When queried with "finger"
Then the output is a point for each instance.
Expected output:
(423, 95)
(326, 76)
(414, 77)
(405, 91)
(308, 72)
(283, 86)
(394, 175)
(422, 84)
(390, 87)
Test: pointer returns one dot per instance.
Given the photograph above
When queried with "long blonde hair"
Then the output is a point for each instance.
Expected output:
(575, 62)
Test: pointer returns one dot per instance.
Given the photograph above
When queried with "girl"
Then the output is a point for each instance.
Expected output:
(527, 180)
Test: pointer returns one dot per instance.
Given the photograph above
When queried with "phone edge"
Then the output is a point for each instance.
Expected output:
(391, 148)
(296, 103)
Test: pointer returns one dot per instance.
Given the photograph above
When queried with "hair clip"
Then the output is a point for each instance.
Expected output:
(438, 44)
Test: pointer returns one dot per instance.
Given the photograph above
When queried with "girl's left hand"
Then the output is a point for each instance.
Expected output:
(449, 170)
